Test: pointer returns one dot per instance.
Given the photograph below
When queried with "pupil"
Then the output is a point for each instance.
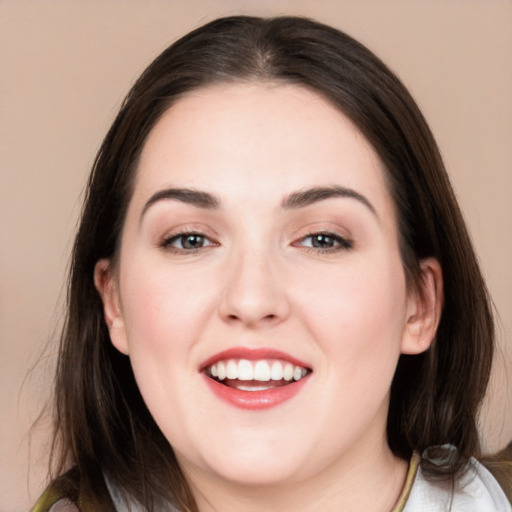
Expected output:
(192, 241)
(322, 241)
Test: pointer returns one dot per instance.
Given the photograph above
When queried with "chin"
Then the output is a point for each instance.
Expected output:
(262, 464)
(258, 473)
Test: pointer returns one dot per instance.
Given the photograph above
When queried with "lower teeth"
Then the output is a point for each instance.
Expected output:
(244, 387)
(253, 385)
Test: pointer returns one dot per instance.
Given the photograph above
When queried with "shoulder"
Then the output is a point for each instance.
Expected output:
(68, 494)
(500, 466)
(61, 495)
(476, 491)
(61, 505)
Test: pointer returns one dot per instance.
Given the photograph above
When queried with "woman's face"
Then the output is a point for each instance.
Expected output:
(261, 243)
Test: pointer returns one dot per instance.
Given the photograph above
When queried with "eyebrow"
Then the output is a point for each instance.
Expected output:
(184, 195)
(299, 199)
(310, 196)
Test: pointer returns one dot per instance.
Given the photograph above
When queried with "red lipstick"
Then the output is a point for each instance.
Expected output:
(252, 354)
(278, 391)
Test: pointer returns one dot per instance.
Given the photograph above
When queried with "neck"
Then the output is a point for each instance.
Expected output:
(371, 482)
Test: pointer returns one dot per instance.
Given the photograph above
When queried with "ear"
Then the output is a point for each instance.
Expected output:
(424, 309)
(106, 284)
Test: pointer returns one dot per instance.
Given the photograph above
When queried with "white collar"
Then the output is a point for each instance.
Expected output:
(477, 491)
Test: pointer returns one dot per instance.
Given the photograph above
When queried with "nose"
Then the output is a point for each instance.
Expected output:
(254, 293)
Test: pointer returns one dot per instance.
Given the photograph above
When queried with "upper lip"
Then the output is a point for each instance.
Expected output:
(252, 354)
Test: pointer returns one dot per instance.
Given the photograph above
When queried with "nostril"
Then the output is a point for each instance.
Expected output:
(264, 319)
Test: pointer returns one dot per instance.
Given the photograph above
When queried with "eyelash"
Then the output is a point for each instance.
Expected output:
(339, 243)
(167, 242)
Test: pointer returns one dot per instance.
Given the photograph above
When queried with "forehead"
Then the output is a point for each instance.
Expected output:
(257, 139)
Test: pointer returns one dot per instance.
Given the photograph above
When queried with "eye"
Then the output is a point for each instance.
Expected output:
(324, 242)
(187, 242)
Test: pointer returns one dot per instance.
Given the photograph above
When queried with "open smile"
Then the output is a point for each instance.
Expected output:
(255, 379)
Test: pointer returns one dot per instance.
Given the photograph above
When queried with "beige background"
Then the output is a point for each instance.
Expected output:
(64, 68)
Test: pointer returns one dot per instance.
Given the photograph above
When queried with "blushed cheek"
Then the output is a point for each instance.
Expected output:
(150, 310)
(165, 310)
(156, 330)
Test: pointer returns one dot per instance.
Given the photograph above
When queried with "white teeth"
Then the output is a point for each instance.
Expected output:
(288, 372)
(245, 371)
(231, 370)
(221, 371)
(262, 371)
(261, 387)
(276, 372)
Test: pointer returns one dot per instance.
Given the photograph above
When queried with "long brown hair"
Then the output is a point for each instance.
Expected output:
(101, 422)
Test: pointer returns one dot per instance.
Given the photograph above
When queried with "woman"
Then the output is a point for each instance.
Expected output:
(266, 293)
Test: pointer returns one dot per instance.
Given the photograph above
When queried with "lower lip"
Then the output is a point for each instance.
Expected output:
(255, 400)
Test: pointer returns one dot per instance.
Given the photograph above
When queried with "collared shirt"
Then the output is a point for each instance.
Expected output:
(476, 491)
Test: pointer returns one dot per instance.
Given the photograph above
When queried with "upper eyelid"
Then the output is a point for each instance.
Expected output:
(195, 228)
(331, 234)
(167, 243)
(320, 231)
(169, 236)
(344, 243)
(344, 240)
(178, 234)
(324, 227)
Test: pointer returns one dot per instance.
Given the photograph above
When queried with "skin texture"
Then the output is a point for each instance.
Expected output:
(257, 282)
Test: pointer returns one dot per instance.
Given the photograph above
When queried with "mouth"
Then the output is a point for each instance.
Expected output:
(255, 378)
(255, 375)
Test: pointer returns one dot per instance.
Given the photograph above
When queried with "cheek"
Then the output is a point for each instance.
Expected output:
(151, 319)
(164, 316)
(358, 322)
(163, 309)
(358, 312)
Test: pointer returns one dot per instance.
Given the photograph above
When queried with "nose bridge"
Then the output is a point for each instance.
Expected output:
(254, 291)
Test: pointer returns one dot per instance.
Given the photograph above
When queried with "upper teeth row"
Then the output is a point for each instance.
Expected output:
(263, 370)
